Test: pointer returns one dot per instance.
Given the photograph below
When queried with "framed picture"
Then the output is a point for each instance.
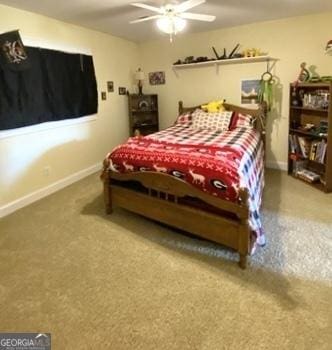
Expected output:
(103, 95)
(110, 86)
(249, 92)
(122, 90)
(157, 78)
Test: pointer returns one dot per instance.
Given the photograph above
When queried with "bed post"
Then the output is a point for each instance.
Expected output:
(180, 107)
(244, 231)
(105, 177)
(261, 120)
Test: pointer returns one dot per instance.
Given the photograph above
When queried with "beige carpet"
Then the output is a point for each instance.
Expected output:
(123, 282)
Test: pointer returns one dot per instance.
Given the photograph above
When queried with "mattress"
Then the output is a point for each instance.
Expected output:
(218, 163)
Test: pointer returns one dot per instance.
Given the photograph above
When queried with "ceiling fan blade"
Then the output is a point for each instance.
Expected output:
(148, 18)
(188, 5)
(198, 17)
(147, 7)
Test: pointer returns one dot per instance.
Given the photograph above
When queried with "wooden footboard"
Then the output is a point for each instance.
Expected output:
(174, 202)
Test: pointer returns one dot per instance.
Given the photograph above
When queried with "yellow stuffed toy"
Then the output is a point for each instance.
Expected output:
(214, 106)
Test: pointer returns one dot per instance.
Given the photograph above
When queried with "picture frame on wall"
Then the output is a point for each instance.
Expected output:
(249, 92)
(110, 86)
(157, 78)
(122, 91)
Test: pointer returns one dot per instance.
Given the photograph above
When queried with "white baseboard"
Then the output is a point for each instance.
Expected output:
(277, 165)
(58, 185)
(46, 191)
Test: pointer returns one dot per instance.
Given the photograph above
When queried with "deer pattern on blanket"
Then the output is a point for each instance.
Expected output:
(212, 168)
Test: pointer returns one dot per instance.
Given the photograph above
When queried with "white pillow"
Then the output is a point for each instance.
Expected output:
(219, 121)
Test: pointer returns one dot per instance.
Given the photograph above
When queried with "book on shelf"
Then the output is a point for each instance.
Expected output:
(305, 145)
(313, 150)
(307, 148)
(308, 175)
(294, 145)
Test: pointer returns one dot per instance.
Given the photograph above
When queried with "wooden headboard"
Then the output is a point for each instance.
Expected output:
(258, 114)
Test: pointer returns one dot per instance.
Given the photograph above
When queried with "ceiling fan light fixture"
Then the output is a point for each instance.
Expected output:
(171, 24)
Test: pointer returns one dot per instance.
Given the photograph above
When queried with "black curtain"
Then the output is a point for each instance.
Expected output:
(55, 86)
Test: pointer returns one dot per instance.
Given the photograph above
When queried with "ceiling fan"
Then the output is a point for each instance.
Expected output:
(171, 18)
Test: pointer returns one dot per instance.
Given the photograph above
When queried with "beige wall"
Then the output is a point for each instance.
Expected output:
(292, 41)
(70, 149)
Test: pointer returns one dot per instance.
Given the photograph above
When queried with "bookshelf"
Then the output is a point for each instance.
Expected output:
(310, 134)
(143, 114)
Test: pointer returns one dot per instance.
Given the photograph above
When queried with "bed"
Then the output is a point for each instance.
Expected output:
(205, 182)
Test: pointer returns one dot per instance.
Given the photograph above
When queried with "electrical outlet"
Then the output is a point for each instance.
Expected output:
(46, 171)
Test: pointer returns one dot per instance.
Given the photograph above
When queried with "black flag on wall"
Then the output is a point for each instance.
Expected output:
(12, 51)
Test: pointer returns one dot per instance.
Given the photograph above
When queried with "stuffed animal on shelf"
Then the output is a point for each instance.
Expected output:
(214, 106)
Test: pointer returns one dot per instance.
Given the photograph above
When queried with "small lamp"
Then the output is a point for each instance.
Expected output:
(140, 76)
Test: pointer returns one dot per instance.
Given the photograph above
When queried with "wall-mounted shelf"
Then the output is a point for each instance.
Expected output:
(225, 61)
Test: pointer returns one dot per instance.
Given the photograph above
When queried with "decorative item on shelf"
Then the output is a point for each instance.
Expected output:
(326, 78)
(189, 59)
(202, 59)
(314, 76)
(157, 78)
(310, 75)
(178, 62)
(237, 55)
(140, 76)
(233, 53)
(295, 98)
(318, 99)
(309, 127)
(253, 52)
(143, 105)
(303, 76)
(192, 59)
(224, 56)
(323, 127)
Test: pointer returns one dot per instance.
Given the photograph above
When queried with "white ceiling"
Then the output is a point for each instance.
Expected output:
(113, 16)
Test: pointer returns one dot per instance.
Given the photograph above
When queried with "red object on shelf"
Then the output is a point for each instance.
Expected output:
(295, 156)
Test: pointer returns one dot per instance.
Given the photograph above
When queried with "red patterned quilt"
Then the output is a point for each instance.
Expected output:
(218, 163)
